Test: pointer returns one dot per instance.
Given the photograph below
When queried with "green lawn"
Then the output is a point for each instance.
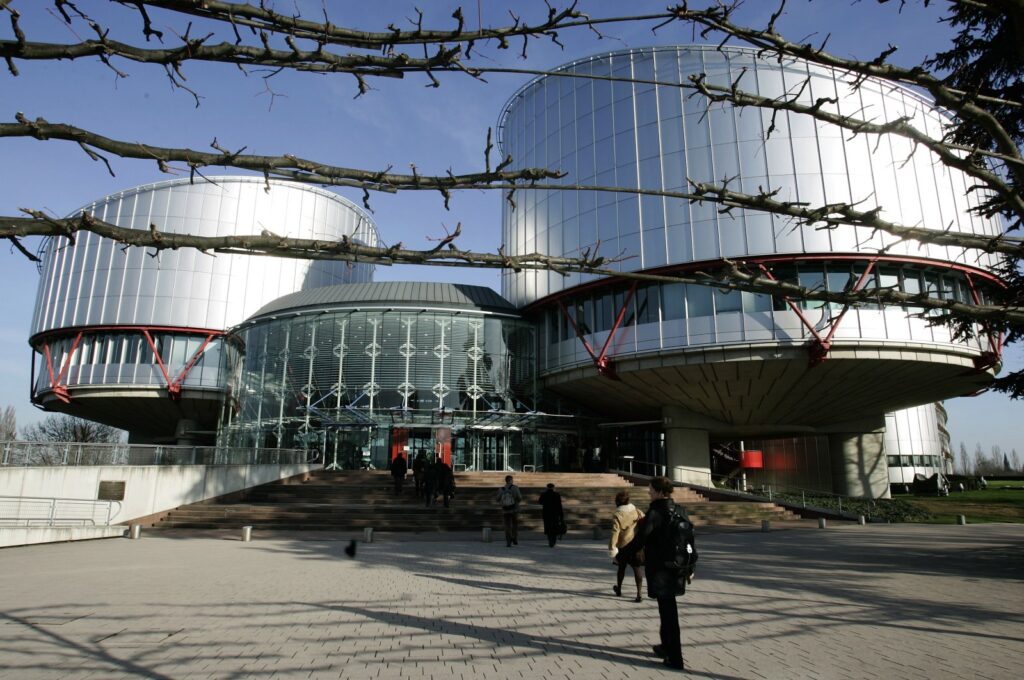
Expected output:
(1000, 502)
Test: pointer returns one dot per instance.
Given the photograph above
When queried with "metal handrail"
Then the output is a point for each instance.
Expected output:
(41, 511)
(50, 454)
(769, 491)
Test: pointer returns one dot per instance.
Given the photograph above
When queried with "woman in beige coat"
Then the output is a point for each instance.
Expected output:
(624, 524)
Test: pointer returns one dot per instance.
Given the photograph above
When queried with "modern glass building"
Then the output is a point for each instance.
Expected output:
(136, 339)
(559, 372)
(696, 365)
(365, 371)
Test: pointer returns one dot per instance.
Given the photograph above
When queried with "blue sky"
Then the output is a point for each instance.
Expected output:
(398, 123)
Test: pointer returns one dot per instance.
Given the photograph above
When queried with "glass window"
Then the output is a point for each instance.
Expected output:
(812, 277)
(673, 301)
(698, 300)
(756, 302)
(727, 301)
(603, 313)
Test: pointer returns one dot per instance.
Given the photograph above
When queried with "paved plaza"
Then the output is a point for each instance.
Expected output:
(878, 601)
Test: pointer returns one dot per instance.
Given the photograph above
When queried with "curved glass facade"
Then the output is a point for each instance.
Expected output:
(637, 135)
(109, 316)
(362, 382)
(665, 316)
(915, 443)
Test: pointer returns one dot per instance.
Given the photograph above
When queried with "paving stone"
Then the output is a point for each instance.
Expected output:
(896, 601)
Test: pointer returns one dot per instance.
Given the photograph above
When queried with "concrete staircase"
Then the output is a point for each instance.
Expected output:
(353, 500)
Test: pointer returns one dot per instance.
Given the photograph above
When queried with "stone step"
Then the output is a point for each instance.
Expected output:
(358, 499)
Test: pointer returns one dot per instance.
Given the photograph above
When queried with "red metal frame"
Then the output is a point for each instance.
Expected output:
(820, 346)
(59, 389)
(773, 259)
(604, 365)
(174, 386)
(994, 355)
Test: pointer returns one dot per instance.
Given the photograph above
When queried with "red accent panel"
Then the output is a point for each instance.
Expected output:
(443, 444)
(752, 460)
(399, 442)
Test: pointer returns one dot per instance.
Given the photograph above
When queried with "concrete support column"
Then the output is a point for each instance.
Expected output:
(687, 448)
(859, 466)
(183, 432)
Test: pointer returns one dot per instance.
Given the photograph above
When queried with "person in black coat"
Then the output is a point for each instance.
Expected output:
(419, 469)
(663, 584)
(445, 481)
(431, 483)
(399, 468)
(551, 504)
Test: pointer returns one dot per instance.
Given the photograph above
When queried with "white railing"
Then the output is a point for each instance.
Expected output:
(26, 511)
(41, 454)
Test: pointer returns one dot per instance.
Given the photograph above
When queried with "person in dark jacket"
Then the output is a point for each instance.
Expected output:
(399, 468)
(419, 468)
(445, 481)
(551, 504)
(663, 584)
(431, 483)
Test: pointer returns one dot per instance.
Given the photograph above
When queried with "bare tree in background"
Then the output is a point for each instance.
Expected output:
(64, 428)
(977, 81)
(965, 461)
(8, 425)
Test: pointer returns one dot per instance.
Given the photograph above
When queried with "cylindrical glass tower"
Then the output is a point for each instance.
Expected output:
(115, 325)
(733, 364)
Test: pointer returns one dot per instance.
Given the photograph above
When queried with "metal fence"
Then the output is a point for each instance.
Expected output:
(26, 511)
(41, 454)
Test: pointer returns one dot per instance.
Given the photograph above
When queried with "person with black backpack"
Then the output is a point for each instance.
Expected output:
(666, 537)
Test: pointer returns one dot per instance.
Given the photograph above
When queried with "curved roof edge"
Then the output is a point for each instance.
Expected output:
(213, 180)
(396, 293)
(503, 115)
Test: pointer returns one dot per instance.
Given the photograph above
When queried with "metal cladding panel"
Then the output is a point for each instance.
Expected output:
(447, 295)
(95, 282)
(639, 135)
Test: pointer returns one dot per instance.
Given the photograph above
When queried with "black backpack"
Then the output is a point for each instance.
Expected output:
(682, 553)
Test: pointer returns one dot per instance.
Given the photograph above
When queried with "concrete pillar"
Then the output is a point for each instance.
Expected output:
(688, 455)
(183, 432)
(859, 466)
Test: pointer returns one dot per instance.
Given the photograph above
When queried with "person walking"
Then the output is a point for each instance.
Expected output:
(399, 467)
(445, 481)
(551, 504)
(624, 523)
(665, 580)
(431, 482)
(419, 467)
(509, 497)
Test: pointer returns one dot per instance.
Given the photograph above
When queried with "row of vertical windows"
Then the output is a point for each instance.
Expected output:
(594, 313)
(914, 461)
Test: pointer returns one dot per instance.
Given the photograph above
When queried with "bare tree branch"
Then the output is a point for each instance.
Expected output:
(286, 166)
(728, 275)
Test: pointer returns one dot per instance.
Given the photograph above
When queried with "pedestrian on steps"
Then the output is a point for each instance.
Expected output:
(431, 483)
(399, 467)
(419, 468)
(509, 497)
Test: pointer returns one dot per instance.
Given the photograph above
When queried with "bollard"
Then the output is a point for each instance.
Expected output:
(766, 525)
(485, 535)
(961, 520)
(597, 533)
(135, 532)
(368, 535)
(246, 534)
(862, 520)
(821, 523)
